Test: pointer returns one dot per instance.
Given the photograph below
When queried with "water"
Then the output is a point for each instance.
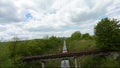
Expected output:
(65, 64)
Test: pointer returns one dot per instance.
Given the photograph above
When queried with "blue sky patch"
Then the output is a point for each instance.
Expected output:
(28, 16)
(102, 17)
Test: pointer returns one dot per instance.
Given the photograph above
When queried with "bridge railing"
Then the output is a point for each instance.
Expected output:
(65, 55)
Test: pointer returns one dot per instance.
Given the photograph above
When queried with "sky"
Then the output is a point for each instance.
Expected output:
(31, 19)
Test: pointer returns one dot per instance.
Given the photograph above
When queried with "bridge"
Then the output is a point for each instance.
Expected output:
(64, 55)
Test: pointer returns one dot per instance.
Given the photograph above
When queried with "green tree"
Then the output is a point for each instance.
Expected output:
(86, 36)
(13, 50)
(76, 35)
(107, 34)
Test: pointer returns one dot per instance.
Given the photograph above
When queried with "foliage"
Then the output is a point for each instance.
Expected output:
(86, 36)
(76, 35)
(92, 62)
(80, 45)
(107, 34)
(110, 63)
(5, 62)
(12, 52)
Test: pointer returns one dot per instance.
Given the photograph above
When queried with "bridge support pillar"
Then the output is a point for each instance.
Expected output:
(43, 64)
(76, 66)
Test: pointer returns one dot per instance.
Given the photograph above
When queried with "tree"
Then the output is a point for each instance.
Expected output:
(107, 34)
(86, 36)
(12, 50)
(76, 35)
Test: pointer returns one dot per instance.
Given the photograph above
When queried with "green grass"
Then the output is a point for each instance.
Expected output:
(77, 46)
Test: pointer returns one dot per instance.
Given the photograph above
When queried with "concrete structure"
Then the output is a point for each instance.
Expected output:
(43, 64)
(76, 63)
(65, 62)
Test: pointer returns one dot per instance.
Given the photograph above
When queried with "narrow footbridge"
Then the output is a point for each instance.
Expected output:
(65, 55)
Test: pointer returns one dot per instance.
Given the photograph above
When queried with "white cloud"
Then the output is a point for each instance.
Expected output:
(37, 18)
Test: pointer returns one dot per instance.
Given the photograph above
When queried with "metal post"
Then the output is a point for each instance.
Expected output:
(76, 63)
(43, 64)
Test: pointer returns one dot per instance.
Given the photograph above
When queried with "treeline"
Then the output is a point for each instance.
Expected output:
(106, 37)
(12, 52)
(17, 49)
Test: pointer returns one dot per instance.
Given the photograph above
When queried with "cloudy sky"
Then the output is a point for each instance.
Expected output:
(29, 19)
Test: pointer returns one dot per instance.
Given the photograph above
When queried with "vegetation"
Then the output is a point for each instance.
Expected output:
(107, 36)
(76, 35)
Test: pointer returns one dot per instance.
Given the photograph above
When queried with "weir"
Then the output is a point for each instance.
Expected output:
(65, 62)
